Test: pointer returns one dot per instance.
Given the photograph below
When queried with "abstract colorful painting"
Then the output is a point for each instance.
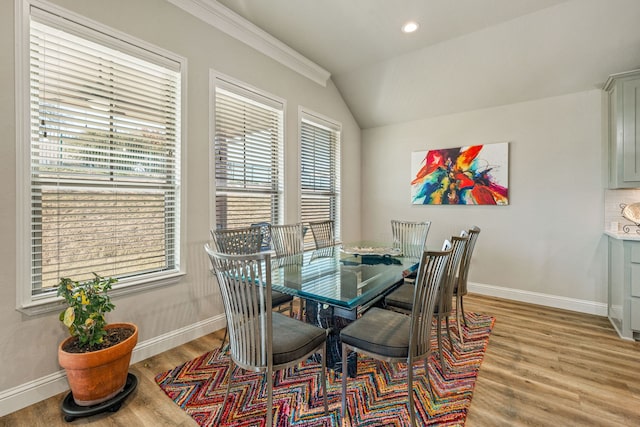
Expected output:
(473, 175)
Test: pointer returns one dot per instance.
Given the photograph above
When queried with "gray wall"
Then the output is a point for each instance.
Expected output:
(28, 345)
(547, 246)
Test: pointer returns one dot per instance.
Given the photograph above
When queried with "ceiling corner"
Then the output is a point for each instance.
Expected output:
(227, 21)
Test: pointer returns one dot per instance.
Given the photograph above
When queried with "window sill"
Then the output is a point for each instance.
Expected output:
(54, 304)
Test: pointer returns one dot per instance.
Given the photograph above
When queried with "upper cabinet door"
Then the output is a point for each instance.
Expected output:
(624, 136)
(631, 138)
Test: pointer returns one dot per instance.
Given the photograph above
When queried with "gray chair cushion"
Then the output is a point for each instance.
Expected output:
(278, 298)
(401, 298)
(379, 331)
(292, 339)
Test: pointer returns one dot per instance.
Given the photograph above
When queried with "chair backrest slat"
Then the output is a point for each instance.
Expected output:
(463, 274)
(430, 274)
(410, 237)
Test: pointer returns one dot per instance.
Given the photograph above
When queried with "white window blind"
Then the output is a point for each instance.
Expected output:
(104, 156)
(248, 157)
(320, 171)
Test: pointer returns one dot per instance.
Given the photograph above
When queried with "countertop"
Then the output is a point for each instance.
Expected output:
(621, 235)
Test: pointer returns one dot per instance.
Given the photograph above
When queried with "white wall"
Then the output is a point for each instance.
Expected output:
(168, 316)
(547, 246)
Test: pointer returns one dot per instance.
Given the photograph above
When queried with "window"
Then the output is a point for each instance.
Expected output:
(248, 145)
(103, 159)
(319, 170)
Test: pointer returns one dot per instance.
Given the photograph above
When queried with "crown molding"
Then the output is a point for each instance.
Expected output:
(224, 19)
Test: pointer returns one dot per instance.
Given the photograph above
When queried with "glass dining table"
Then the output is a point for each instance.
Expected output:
(340, 282)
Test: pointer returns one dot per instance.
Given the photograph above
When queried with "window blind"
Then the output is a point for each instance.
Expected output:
(105, 157)
(248, 157)
(320, 172)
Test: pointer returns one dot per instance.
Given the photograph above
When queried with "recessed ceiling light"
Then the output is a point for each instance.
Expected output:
(410, 27)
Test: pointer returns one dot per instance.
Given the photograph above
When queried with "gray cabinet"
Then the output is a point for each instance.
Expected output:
(624, 287)
(623, 91)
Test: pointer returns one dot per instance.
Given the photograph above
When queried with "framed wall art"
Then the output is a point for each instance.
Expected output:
(472, 175)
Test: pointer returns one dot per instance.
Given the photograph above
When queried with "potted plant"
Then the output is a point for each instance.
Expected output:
(96, 356)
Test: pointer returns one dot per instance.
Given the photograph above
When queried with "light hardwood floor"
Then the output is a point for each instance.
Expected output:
(543, 367)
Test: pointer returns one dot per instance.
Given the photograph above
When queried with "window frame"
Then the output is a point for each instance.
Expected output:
(327, 123)
(253, 95)
(86, 28)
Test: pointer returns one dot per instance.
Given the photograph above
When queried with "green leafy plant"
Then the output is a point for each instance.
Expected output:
(87, 303)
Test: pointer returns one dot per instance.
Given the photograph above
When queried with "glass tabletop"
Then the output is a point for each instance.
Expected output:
(340, 277)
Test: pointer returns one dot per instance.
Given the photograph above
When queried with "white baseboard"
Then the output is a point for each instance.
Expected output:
(26, 394)
(555, 301)
(178, 337)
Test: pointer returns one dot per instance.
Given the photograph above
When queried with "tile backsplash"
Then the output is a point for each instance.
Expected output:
(612, 210)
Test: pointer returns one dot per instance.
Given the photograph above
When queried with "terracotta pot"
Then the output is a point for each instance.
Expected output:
(98, 376)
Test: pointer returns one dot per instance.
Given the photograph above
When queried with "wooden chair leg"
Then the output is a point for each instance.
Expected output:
(323, 377)
(232, 367)
(462, 312)
(345, 373)
(426, 374)
(446, 318)
(224, 339)
(458, 322)
(439, 334)
(269, 378)
(412, 411)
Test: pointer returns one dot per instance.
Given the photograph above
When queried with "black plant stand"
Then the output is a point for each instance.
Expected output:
(72, 411)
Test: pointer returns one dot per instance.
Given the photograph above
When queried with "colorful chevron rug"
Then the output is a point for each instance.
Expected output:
(377, 397)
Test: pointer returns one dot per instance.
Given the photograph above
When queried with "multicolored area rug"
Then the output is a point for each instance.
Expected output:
(377, 397)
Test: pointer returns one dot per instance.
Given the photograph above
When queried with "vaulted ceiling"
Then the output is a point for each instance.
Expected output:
(466, 55)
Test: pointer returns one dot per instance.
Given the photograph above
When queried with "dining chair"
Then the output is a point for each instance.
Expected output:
(410, 237)
(395, 337)
(401, 299)
(287, 240)
(260, 339)
(460, 282)
(245, 241)
(323, 233)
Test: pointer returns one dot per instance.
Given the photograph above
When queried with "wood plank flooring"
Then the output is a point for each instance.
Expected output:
(543, 367)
